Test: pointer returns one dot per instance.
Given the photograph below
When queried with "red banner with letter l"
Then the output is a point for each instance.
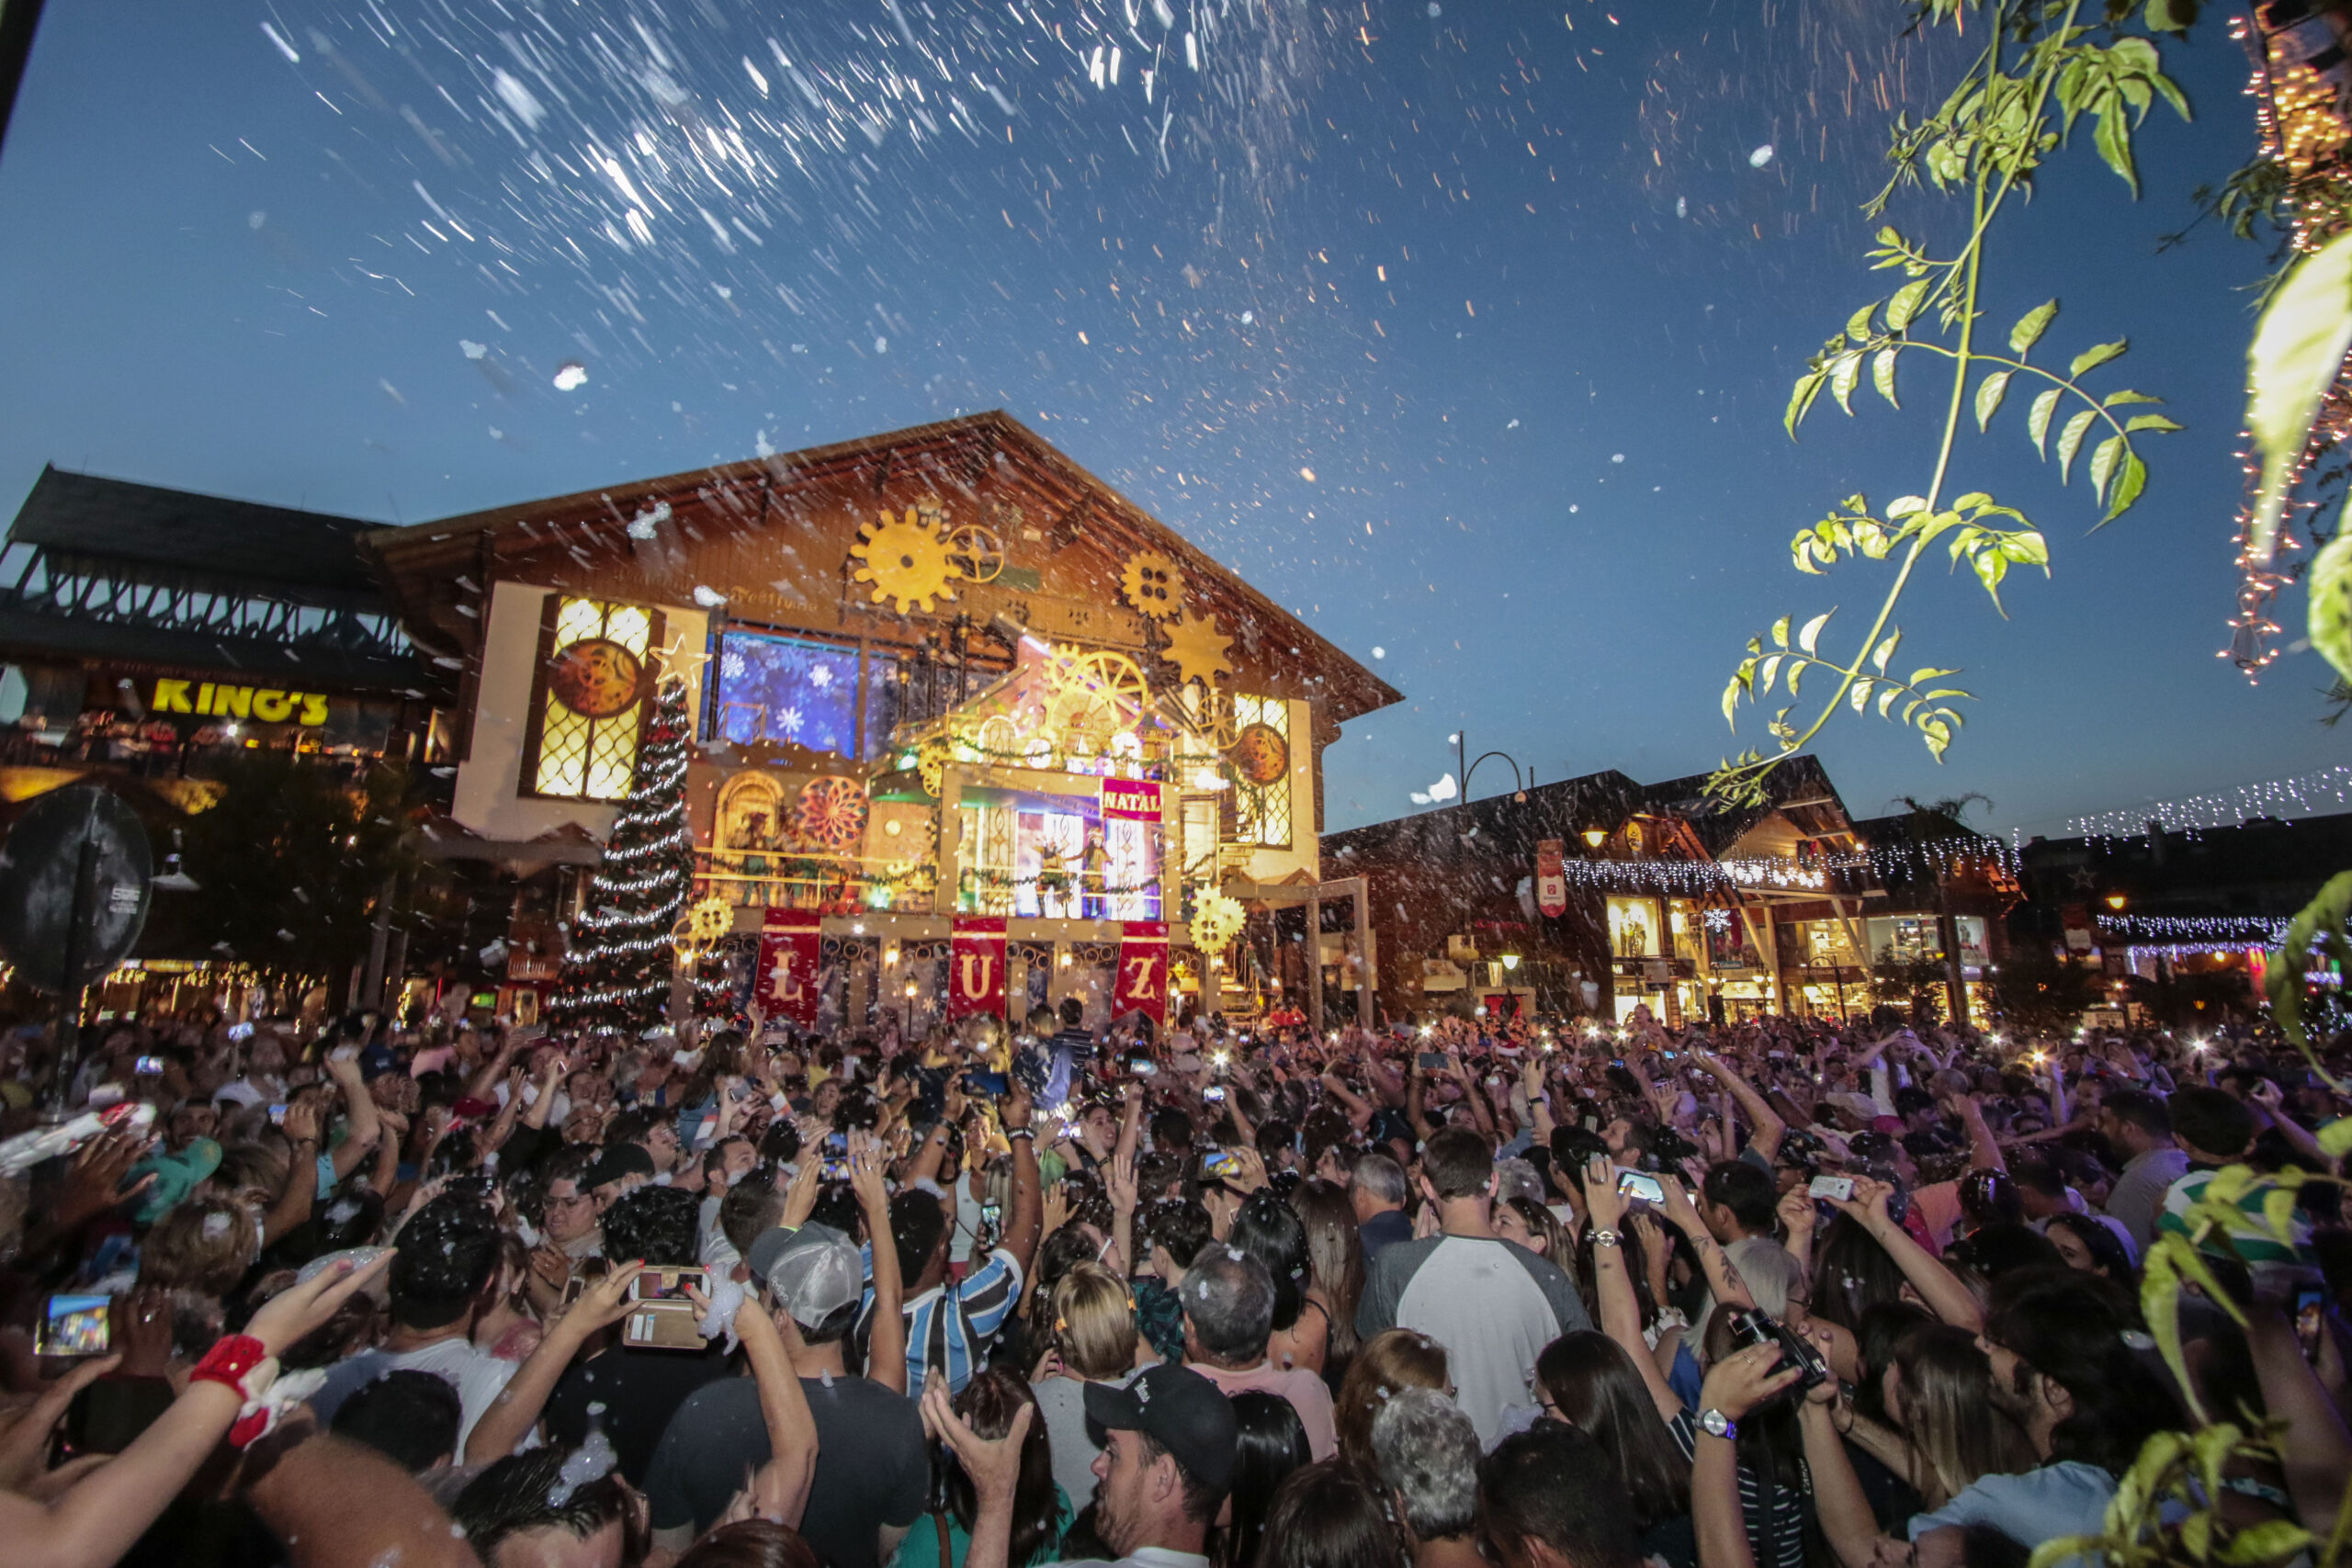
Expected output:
(1142, 984)
(787, 981)
(1551, 882)
(976, 969)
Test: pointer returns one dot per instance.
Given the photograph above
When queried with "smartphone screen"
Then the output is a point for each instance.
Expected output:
(667, 1284)
(277, 1115)
(1143, 1066)
(1433, 1061)
(1213, 1094)
(2310, 1308)
(147, 1066)
(74, 1325)
(1633, 1184)
(1224, 1162)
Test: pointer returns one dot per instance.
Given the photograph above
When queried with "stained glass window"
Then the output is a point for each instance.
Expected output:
(1261, 772)
(591, 700)
(791, 691)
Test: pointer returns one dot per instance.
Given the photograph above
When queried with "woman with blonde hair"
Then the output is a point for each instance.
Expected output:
(1091, 1337)
(1392, 1360)
(1938, 1387)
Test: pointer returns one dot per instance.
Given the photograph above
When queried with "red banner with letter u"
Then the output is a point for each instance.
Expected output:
(976, 969)
(1142, 984)
(788, 953)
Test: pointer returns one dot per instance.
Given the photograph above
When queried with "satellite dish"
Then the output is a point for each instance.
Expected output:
(78, 838)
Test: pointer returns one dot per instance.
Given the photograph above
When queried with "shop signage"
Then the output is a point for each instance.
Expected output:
(1551, 882)
(1142, 981)
(976, 969)
(1130, 800)
(267, 704)
(787, 976)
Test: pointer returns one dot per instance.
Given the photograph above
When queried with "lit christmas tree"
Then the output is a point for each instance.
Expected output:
(618, 958)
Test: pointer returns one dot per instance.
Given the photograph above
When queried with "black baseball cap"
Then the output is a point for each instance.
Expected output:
(1179, 1410)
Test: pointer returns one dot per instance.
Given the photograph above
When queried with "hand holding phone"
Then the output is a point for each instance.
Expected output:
(74, 1325)
(1635, 1184)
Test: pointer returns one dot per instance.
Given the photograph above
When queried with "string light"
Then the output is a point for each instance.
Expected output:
(2243, 930)
(2298, 794)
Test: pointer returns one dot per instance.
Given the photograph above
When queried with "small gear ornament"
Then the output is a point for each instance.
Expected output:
(1198, 650)
(1154, 585)
(906, 560)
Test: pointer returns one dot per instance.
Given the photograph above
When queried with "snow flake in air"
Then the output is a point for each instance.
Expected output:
(471, 349)
(641, 526)
(570, 376)
(1760, 157)
(708, 597)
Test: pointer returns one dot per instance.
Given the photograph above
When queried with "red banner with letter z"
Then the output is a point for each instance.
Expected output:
(788, 983)
(1142, 982)
(976, 969)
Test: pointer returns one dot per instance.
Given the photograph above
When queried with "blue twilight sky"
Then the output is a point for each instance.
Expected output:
(1464, 327)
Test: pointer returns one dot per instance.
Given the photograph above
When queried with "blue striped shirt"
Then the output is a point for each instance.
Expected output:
(952, 1326)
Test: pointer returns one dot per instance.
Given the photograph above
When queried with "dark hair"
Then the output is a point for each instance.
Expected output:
(2211, 1121)
(2138, 1108)
(1747, 1189)
(409, 1418)
(780, 1144)
(528, 1491)
(1202, 1501)
(1596, 1385)
(2069, 1326)
(1995, 1250)
(752, 1207)
(634, 1125)
(1881, 1329)
(1555, 1485)
(1457, 1162)
(1059, 1253)
(750, 1543)
(1181, 1225)
(1990, 1198)
(661, 1225)
(1229, 1298)
(1269, 1230)
(2105, 1246)
(918, 1221)
(448, 1252)
(1270, 1442)
(1851, 1274)
(988, 1403)
(2038, 1174)
(1073, 1012)
(1329, 1515)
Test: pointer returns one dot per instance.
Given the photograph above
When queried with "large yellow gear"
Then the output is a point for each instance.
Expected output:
(906, 560)
(1218, 918)
(1096, 694)
(1154, 585)
(1198, 650)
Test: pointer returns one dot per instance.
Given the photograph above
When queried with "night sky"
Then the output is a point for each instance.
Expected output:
(1463, 328)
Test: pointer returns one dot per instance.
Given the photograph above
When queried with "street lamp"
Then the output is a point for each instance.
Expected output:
(2115, 901)
(1462, 750)
(1596, 837)
(1511, 961)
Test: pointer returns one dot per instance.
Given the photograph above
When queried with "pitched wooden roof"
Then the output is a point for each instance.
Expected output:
(774, 536)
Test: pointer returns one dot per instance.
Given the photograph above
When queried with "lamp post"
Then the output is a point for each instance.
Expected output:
(1520, 784)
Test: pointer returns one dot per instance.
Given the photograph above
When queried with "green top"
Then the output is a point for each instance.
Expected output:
(2255, 1241)
(920, 1548)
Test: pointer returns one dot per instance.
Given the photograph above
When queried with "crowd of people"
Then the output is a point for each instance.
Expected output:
(1526, 1294)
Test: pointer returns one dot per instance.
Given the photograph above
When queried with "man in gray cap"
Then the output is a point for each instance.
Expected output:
(873, 1466)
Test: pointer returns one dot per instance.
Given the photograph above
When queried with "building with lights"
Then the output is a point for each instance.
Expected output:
(974, 731)
(1598, 895)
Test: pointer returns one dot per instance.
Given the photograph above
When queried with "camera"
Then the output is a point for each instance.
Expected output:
(1749, 1326)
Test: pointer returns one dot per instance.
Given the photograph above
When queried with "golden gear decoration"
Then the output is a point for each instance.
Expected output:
(1216, 721)
(1218, 918)
(977, 552)
(711, 918)
(1154, 585)
(906, 560)
(1198, 650)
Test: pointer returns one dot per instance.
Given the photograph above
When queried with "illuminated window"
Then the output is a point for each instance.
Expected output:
(595, 682)
(1261, 757)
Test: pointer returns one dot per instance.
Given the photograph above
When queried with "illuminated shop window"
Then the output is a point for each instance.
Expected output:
(594, 686)
(1261, 772)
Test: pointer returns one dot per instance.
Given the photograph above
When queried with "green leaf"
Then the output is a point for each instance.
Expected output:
(2070, 440)
(2092, 358)
(1937, 734)
(1922, 676)
(1858, 325)
(2113, 139)
(2298, 347)
(1991, 567)
(1731, 702)
(2037, 419)
(2140, 422)
(1903, 505)
(1844, 371)
(1810, 636)
(1769, 671)
(2103, 460)
(1989, 393)
(1800, 398)
(1882, 373)
(2027, 547)
(2171, 15)
(1858, 693)
(1781, 631)
(2331, 606)
(2031, 326)
(2117, 399)
(1888, 691)
(2128, 486)
(2335, 1138)
(2283, 978)
(2271, 1540)
(1906, 304)
(1884, 652)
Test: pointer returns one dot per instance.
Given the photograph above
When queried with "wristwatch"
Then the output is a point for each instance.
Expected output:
(1715, 1424)
(1604, 1236)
